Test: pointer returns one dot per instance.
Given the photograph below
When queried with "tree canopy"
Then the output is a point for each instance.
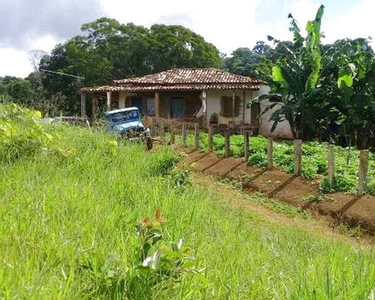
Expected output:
(109, 50)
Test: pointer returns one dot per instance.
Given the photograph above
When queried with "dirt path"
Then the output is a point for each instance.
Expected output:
(317, 225)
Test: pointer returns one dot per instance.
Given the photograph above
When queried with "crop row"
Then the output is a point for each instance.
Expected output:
(314, 159)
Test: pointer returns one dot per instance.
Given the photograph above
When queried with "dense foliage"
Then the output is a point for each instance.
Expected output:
(323, 91)
(108, 50)
(21, 133)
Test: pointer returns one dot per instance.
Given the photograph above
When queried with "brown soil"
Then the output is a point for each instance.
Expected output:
(223, 167)
(242, 199)
(351, 209)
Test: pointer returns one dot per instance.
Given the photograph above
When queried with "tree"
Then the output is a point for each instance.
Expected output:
(109, 50)
(353, 65)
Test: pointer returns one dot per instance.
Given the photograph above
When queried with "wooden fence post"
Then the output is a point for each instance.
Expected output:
(331, 164)
(210, 138)
(171, 131)
(227, 144)
(161, 126)
(270, 153)
(246, 145)
(184, 134)
(153, 126)
(196, 135)
(363, 169)
(297, 157)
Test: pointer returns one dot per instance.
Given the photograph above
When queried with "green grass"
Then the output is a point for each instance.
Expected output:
(314, 159)
(67, 232)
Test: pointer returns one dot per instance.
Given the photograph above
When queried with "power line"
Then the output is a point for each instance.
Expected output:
(61, 73)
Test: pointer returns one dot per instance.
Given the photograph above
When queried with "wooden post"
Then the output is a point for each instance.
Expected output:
(210, 138)
(94, 107)
(171, 131)
(184, 135)
(161, 126)
(331, 164)
(153, 126)
(297, 157)
(108, 104)
(270, 153)
(83, 105)
(243, 106)
(246, 145)
(157, 105)
(363, 169)
(227, 144)
(233, 108)
(196, 135)
(147, 121)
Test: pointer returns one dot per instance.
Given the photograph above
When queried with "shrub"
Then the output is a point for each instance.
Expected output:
(258, 159)
(21, 133)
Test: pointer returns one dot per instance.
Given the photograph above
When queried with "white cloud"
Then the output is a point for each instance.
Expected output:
(16, 62)
(356, 22)
(228, 25)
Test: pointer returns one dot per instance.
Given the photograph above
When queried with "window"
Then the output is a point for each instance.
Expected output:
(226, 105)
(150, 106)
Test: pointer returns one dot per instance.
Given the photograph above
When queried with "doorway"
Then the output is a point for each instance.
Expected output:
(177, 107)
(137, 102)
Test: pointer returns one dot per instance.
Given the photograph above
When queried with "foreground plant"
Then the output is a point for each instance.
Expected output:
(158, 263)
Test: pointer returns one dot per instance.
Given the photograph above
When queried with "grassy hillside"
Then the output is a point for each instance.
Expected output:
(73, 226)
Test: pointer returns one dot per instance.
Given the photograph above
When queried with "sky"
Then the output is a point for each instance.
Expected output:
(40, 24)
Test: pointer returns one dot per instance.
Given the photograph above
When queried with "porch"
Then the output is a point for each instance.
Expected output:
(219, 108)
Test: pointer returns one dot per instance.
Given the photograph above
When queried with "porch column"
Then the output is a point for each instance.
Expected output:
(157, 105)
(83, 105)
(109, 95)
(203, 97)
(243, 106)
(233, 107)
(94, 107)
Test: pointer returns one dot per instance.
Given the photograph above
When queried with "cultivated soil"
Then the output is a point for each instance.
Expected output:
(339, 207)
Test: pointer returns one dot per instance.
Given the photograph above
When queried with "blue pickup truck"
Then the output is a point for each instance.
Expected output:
(126, 123)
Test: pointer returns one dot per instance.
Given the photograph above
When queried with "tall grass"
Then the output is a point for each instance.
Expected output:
(67, 232)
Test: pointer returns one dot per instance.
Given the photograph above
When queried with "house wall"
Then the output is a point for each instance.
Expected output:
(191, 102)
(214, 106)
(122, 98)
(282, 130)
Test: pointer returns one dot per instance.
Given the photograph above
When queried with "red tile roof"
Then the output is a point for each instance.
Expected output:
(189, 76)
(181, 80)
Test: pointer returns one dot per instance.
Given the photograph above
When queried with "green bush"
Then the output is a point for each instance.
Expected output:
(258, 159)
(21, 133)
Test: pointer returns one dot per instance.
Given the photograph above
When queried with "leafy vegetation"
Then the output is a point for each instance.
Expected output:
(21, 133)
(295, 76)
(109, 50)
(323, 91)
(76, 227)
(314, 159)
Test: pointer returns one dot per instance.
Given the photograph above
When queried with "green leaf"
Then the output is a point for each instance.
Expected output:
(345, 79)
(277, 76)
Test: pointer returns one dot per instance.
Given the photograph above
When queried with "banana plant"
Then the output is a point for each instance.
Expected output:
(295, 76)
(356, 82)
